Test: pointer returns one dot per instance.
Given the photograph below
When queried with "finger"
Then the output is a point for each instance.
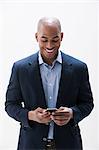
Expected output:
(61, 114)
(61, 119)
(64, 109)
(61, 108)
(46, 112)
(60, 123)
(44, 117)
(39, 109)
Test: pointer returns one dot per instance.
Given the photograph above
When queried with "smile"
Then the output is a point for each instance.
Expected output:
(50, 51)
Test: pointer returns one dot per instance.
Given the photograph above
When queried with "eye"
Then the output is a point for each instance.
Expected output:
(55, 41)
(44, 40)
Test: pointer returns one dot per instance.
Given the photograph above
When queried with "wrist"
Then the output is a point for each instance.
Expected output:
(30, 115)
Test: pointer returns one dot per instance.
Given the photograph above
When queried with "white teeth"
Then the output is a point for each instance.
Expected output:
(49, 51)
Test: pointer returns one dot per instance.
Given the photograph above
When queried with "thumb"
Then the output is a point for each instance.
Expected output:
(61, 108)
(39, 109)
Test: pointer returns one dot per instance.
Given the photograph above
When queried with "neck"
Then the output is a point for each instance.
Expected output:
(49, 61)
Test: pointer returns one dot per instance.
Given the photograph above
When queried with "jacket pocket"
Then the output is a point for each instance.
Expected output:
(75, 131)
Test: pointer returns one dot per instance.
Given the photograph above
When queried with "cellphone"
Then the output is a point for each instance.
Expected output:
(51, 110)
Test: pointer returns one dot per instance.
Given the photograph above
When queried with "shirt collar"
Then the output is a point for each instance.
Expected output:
(58, 59)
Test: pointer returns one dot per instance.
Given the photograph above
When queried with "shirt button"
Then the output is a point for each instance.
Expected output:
(44, 139)
(50, 84)
(50, 97)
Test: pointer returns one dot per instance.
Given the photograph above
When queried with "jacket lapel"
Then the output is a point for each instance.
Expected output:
(65, 81)
(36, 81)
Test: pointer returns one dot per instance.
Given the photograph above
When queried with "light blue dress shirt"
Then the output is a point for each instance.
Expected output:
(50, 78)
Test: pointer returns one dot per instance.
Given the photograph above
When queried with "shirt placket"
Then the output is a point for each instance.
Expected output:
(50, 88)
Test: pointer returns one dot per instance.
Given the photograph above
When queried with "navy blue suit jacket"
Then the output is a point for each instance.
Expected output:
(25, 92)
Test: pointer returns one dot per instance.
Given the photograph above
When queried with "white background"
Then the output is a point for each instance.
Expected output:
(18, 21)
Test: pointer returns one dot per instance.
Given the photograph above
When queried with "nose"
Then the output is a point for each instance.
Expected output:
(49, 46)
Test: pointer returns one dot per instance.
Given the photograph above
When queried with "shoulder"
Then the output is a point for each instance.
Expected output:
(73, 61)
(26, 61)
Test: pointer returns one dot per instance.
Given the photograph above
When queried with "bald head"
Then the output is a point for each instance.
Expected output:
(49, 22)
(49, 37)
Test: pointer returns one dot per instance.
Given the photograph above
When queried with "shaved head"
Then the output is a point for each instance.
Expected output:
(50, 22)
(49, 37)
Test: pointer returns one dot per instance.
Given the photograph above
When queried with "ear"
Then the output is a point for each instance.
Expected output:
(61, 36)
(36, 36)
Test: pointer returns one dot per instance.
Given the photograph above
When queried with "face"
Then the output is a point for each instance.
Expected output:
(49, 38)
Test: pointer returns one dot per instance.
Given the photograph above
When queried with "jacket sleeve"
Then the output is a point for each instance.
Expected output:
(85, 99)
(13, 104)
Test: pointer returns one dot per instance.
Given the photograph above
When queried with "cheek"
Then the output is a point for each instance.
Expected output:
(41, 44)
(57, 45)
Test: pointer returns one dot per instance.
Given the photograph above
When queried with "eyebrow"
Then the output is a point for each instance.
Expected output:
(44, 37)
(53, 37)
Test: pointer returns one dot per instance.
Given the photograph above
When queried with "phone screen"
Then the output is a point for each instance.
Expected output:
(51, 109)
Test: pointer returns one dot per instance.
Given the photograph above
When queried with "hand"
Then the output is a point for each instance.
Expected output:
(62, 116)
(39, 115)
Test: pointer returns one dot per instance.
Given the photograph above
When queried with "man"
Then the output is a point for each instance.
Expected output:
(49, 79)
